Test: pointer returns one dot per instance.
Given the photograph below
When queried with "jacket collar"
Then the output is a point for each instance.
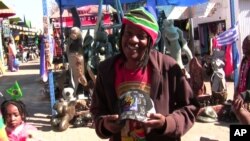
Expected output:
(155, 60)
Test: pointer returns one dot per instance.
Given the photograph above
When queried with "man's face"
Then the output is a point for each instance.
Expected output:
(134, 43)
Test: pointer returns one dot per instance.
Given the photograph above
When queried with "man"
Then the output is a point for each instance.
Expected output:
(141, 94)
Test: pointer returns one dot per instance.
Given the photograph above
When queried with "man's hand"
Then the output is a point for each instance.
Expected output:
(156, 121)
(110, 122)
(237, 104)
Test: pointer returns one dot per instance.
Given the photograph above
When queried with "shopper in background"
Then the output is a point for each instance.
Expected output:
(21, 50)
(12, 52)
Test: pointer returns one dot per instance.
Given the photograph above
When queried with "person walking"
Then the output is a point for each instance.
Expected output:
(12, 52)
(21, 50)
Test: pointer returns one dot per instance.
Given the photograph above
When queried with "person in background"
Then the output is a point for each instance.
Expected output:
(2, 69)
(176, 44)
(21, 50)
(140, 68)
(241, 97)
(12, 52)
(14, 116)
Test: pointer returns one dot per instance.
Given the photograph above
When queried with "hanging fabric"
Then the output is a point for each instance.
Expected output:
(228, 61)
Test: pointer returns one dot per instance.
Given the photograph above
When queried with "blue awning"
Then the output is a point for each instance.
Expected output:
(185, 12)
(78, 3)
(179, 2)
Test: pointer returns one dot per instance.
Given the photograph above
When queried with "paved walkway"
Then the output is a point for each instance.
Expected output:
(38, 106)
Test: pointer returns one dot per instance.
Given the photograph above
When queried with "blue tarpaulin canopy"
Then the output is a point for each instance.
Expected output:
(78, 3)
(64, 4)
(177, 2)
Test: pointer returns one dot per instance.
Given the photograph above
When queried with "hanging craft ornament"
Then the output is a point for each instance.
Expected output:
(15, 91)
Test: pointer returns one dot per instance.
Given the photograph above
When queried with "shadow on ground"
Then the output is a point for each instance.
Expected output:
(42, 123)
(29, 67)
(207, 139)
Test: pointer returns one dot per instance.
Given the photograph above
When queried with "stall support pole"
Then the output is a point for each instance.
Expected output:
(1, 48)
(52, 91)
(61, 28)
(48, 71)
(234, 47)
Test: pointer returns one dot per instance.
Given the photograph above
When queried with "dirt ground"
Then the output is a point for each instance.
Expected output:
(39, 109)
(217, 131)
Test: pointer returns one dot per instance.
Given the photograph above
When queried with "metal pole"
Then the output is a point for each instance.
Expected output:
(117, 6)
(191, 32)
(120, 7)
(46, 71)
(234, 47)
(99, 18)
(61, 28)
(76, 18)
(1, 46)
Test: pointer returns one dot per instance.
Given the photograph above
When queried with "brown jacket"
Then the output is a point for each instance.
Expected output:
(170, 92)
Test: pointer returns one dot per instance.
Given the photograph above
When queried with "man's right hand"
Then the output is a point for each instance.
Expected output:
(111, 123)
(237, 104)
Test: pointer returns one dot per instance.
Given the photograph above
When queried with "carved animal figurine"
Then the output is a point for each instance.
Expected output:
(101, 50)
(82, 116)
(76, 58)
(65, 113)
(175, 42)
(197, 80)
(68, 94)
(218, 82)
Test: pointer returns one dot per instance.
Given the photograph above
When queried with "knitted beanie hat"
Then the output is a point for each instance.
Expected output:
(143, 19)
